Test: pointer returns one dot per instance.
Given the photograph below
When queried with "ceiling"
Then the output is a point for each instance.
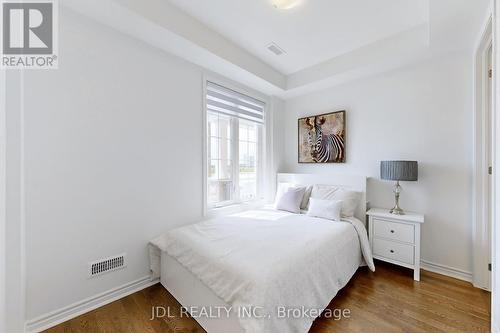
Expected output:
(327, 42)
(313, 32)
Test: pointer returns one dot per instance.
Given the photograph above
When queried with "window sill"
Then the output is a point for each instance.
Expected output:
(233, 208)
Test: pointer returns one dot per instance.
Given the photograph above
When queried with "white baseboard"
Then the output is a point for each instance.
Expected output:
(446, 270)
(76, 309)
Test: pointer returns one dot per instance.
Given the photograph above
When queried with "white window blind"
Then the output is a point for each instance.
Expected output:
(225, 101)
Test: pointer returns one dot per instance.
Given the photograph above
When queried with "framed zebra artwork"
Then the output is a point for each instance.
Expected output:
(322, 138)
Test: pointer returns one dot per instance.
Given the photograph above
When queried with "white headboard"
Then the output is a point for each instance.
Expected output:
(351, 182)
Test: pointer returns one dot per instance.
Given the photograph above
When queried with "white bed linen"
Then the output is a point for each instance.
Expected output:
(269, 259)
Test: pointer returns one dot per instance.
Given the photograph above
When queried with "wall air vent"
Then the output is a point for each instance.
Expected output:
(275, 49)
(101, 266)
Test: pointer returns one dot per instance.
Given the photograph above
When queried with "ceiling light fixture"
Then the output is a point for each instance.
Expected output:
(286, 4)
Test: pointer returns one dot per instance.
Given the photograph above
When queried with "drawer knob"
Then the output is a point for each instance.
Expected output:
(392, 251)
(392, 231)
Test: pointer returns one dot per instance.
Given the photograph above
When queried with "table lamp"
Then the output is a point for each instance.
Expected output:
(398, 171)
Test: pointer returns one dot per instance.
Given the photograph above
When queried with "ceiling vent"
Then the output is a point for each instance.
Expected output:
(275, 49)
(104, 265)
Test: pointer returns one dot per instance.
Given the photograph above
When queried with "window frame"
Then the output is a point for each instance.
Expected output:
(261, 148)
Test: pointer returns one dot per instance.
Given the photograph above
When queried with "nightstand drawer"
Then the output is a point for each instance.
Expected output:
(392, 230)
(394, 251)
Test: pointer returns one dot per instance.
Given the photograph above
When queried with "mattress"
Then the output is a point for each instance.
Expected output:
(269, 260)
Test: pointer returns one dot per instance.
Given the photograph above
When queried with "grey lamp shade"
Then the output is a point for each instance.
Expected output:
(399, 170)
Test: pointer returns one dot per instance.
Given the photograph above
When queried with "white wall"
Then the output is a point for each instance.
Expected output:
(14, 216)
(279, 139)
(113, 157)
(421, 113)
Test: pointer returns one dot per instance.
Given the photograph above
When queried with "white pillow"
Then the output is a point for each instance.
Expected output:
(283, 187)
(327, 209)
(291, 199)
(349, 199)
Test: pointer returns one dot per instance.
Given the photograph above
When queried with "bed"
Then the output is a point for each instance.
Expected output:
(263, 270)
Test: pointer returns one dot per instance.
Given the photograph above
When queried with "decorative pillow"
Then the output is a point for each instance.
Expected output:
(283, 187)
(349, 198)
(291, 199)
(327, 209)
(305, 199)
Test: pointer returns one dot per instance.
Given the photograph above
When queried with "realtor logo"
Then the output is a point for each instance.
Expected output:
(29, 38)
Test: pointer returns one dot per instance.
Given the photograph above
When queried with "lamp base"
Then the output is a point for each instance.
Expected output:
(397, 211)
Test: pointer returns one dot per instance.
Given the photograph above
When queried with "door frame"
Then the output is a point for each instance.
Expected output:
(481, 277)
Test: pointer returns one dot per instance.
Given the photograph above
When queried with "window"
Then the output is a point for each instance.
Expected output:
(234, 146)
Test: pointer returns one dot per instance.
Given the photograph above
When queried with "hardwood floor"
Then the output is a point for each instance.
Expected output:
(385, 301)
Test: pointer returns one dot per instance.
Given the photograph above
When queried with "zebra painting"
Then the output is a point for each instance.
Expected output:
(322, 138)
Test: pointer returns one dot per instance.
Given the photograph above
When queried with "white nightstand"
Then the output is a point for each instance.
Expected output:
(396, 238)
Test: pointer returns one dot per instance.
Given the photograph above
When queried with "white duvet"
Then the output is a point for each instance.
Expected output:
(269, 260)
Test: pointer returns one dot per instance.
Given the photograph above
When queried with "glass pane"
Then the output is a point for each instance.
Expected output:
(213, 169)
(252, 154)
(224, 149)
(226, 191)
(252, 133)
(248, 186)
(220, 191)
(243, 152)
(248, 160)
(213, 151)
(243, 132)
(220, 173)
(248, 173)
(213, 192)
(212, 127)
(225, 170)
(224, 127)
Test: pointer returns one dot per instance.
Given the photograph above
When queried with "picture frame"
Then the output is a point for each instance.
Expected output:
(321, 138)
